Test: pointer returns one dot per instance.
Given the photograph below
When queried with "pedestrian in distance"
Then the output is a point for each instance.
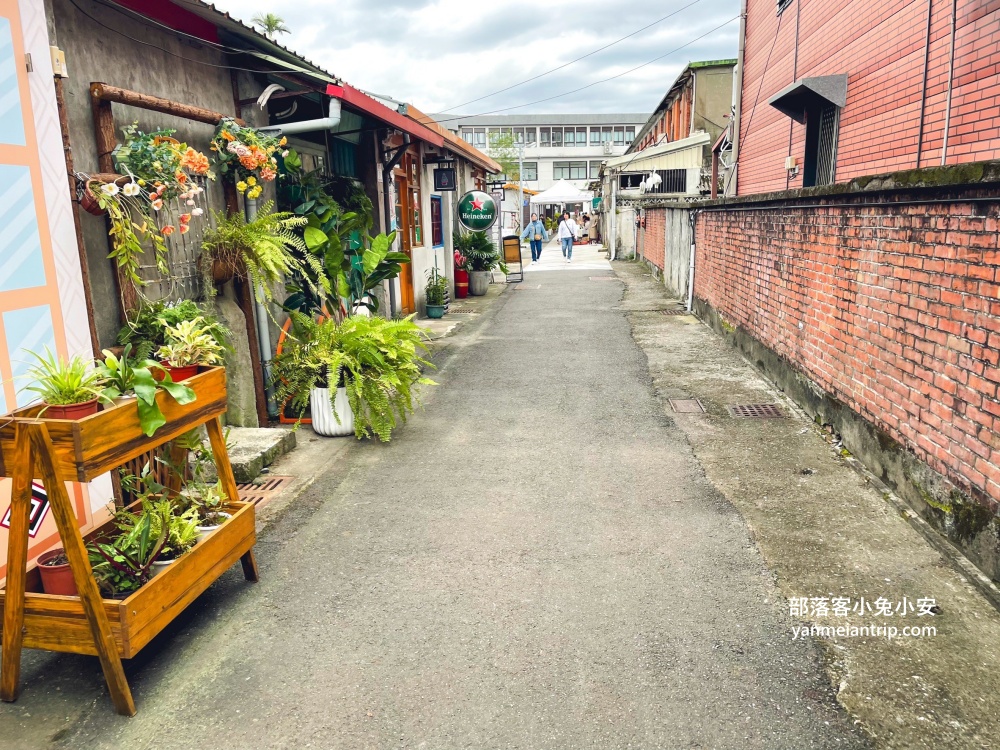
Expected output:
(536, 231)
(567, 235)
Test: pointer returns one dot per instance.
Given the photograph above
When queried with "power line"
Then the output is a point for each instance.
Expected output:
(589, 85)
(572, 62)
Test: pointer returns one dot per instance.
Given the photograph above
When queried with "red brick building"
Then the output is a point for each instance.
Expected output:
(858, 87)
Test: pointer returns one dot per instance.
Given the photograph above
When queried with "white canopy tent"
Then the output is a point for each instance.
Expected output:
(562, 193)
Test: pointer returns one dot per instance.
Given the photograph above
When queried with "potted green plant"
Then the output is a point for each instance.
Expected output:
(362, 370)
(436, 291)
(189, 344)
(69, 389)
(145, 328)
(182, 533)
(124, 563)
(481, 257)
(56, 575)
(265, 250)
(127, 380)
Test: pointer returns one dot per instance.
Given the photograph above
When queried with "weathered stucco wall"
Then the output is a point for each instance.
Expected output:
(667, 247)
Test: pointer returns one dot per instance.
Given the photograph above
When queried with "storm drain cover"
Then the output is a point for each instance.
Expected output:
(680, 311)
(264, 490)
(462, 310)
(757, 411)
(687, 406)
(604, 278)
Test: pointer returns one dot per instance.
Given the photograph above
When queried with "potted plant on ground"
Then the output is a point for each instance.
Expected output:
(481, 257)
(437, 291)
(69, 389)
(189, 344)
(461, 276)
(368, 364)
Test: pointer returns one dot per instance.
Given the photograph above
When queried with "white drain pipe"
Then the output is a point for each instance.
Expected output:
(263, 330)
(309, 126)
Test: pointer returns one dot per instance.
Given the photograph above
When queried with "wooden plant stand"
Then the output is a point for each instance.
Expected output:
(80, 451)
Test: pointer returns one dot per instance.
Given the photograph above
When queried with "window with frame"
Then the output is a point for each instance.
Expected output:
(581, 136)
(595, 136)
(569, 170)
(619, 135)
(595, 169)
(822, 130)
(560, 170)
(606, 134)
(437, 222)
(416, 228)
(518, 135)
(467, 135)
(569, 137)
(529, 136)
(480, 137)
(629, 134)
(544, 136)
(529, 172)
(557, 137)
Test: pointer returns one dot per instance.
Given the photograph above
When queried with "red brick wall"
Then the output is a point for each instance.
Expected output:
(894, 311)
(654, 239)
(880, 44)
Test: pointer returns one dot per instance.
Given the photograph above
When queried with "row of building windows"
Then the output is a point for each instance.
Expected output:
(562, 170)
(555, 137)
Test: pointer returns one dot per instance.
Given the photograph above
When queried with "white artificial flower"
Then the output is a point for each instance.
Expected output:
(197, 211)
(131, 189)
(190, 202)
(109, 188)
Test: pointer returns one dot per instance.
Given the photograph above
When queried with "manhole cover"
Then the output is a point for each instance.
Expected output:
(687, 406)
(462, 310)
(682, 311)
(757, 411)
(264, 490)
(604, 278)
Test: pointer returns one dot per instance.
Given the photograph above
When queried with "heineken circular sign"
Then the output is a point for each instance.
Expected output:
(477, 211)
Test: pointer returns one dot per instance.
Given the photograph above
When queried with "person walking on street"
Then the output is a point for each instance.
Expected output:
(567, 235)
(536, 231)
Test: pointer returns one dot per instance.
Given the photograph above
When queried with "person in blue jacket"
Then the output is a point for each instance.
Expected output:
(536, 232)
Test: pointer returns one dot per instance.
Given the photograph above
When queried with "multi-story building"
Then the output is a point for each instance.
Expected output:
(556, 147)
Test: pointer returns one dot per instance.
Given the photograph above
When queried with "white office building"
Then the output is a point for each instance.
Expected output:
(556, 147)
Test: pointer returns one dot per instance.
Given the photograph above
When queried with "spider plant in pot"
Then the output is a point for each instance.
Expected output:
(190, 343)
(127, 380)
(70, 389)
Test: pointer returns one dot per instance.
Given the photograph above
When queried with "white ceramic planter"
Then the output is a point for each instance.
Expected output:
(159, 566)
(479, 283)
(323, 421)
(204, 531)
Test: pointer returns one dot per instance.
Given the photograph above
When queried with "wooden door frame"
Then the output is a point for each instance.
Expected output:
(406, 296)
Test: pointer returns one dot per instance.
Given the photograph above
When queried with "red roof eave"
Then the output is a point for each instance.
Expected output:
(360, 100)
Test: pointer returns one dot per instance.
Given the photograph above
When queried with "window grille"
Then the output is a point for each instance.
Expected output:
(826, 154)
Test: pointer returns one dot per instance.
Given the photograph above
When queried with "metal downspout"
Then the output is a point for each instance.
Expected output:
(951, 82)
(923, 87)
(690, 301)
(386, 182)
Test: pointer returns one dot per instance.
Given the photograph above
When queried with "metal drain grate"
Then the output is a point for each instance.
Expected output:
(263, 491)
(757, 411)
(462, 310)
(687, 406)
(604, 278)
(681, 311)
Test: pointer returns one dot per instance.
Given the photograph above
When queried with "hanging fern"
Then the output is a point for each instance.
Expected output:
(265, 250)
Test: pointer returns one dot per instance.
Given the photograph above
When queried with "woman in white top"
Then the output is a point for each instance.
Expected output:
(567, 234)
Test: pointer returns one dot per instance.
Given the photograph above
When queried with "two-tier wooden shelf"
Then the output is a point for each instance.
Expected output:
(58, 451)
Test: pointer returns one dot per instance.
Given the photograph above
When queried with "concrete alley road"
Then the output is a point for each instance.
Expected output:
(535, 561)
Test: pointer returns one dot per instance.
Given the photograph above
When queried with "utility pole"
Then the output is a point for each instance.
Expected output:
(520, 186)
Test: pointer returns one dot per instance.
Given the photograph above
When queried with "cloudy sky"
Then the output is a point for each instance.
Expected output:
(441, 54)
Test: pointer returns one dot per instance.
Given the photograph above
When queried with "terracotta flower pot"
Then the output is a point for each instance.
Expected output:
(70, 411)
(89, 202)
(177, 374)
(56, 579)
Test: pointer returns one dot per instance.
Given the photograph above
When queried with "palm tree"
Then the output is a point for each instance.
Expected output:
(270, 24)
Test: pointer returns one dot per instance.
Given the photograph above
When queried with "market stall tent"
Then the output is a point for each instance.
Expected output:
(561, 193)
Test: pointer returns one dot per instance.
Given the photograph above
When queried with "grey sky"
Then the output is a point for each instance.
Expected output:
(438, 54)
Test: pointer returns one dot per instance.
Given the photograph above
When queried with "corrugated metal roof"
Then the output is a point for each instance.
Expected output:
(454, 122)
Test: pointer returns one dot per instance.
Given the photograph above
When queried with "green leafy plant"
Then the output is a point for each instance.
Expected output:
(123, 563)
(206, 501)
(479, 251)
(379, 362)
(125, 376)
(190, 342)
(264, 250)
(437, 288)
(60, 382)
(146, 328)
(366, 267)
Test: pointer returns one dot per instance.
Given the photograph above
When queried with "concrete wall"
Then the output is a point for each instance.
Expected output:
(119, 57)
(883, 318)
(713, 99)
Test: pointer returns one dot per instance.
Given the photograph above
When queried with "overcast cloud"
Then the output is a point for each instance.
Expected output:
(438, 54)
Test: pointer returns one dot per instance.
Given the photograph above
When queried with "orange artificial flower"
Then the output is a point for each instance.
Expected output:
(228, 136)
(167, 230)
